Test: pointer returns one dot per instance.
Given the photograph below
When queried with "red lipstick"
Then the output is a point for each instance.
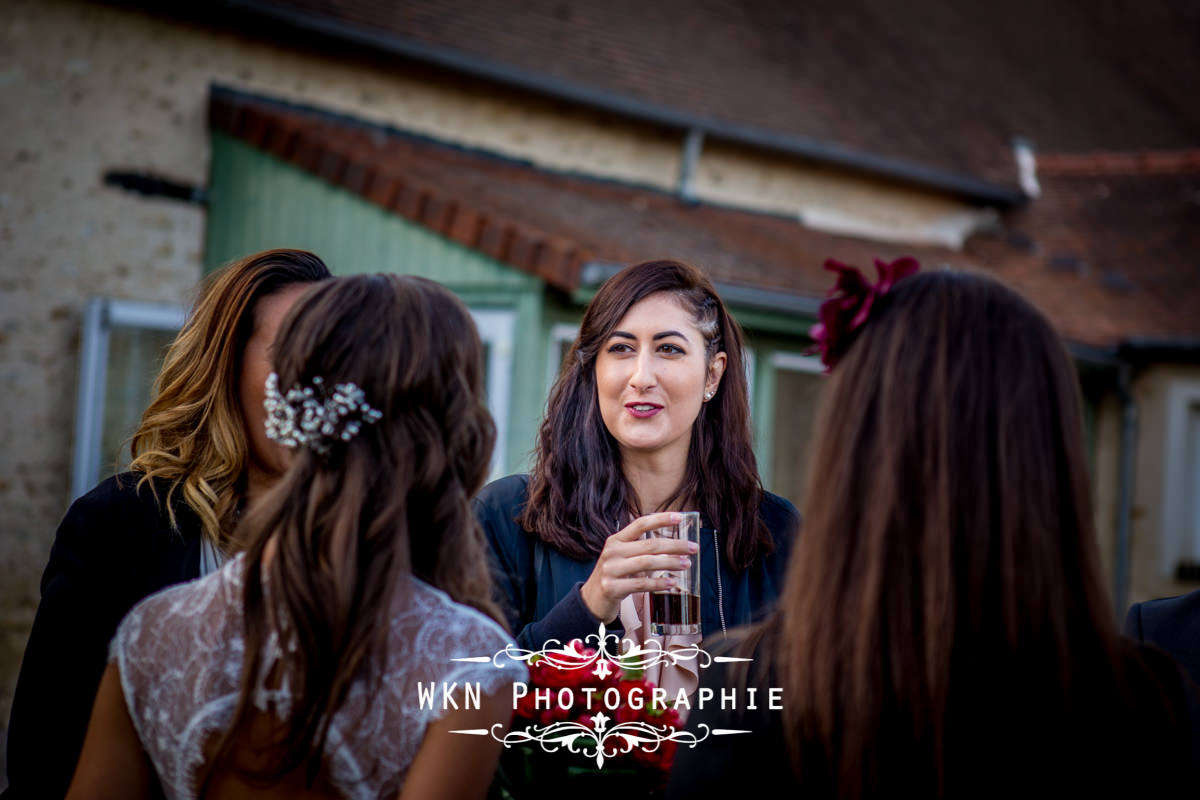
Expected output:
(643, 410)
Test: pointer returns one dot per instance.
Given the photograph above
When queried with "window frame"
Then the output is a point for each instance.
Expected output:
(497, 328)
(764, 409)
(100, 316)
(1178, 545)
(560, 333)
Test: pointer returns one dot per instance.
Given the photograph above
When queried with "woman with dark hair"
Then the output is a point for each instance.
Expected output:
(945, 630)
(199, 457)
(296, 669)
(649, 416)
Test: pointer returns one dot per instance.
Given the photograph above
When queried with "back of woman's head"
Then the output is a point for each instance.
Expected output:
(412, 349)
(381, 492)
(577, 489)
(192, 434)
(948, 557)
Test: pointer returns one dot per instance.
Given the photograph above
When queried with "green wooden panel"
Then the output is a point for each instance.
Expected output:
(763, 413)
(257, 202)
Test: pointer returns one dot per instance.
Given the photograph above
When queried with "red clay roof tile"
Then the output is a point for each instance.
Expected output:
(1107, 257)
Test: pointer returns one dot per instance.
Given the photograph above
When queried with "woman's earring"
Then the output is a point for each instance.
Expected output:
(708, 395)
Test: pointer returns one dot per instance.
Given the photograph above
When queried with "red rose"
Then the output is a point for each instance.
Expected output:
(660, 759)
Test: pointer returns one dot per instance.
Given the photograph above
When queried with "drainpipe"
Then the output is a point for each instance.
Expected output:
(1026, 167)
(1124, 490)
(688, 165)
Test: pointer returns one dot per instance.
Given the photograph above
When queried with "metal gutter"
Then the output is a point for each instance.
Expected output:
(1142, 349)
(1093, 356)
(825, 152)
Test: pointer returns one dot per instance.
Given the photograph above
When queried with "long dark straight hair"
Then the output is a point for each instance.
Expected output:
(948, 579)
(577, 489)
(345, 526)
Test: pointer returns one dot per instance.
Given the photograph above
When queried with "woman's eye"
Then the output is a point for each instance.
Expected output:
(671, 349)
(620, 347)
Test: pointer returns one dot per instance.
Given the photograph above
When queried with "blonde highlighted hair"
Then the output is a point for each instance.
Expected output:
(192, 436)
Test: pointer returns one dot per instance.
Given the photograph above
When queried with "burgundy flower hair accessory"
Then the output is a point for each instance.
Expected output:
(849, 304)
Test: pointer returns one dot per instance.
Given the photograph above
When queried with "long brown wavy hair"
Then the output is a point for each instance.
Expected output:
(578, 489)
(192, 436)
(394, 499)
(947, 585)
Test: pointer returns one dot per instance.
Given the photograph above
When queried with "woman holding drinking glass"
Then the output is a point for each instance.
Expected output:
(649, 417)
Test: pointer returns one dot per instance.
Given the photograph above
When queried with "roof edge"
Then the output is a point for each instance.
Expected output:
(1141, 349)
(551, 258)
(917, 175)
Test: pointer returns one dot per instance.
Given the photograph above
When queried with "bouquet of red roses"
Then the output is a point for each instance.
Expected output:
(579, 702)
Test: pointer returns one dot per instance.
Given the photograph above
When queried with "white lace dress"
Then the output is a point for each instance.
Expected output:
(180, 657)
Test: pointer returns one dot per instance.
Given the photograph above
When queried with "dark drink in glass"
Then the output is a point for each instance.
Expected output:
(677, 610)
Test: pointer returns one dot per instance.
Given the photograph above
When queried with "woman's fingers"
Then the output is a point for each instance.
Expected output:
(626, 559)
(623, 567)
(635, 529)
(627, 586)
(655, 544)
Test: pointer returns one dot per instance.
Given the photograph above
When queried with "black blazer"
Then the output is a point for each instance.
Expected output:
(114, 547)
(539, 587)
(1172, 623)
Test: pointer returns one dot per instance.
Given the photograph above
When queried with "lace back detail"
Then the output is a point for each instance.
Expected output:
(180, 654)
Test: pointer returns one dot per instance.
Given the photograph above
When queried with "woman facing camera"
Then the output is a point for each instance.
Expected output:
(199, 457)
(945, 630)
(296, 670)
(649, 416)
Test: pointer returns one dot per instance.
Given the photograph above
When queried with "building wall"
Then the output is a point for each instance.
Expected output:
(85, 88)
(830, 200)
(1106, 464)
(1151, 390)
(79, 93)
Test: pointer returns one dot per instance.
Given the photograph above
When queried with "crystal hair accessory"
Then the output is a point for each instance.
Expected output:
(307, 415)
(849, 305)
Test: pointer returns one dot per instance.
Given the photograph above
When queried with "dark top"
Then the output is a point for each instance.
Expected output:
(1131, 746)
(539, 586)
(114, 547)
(1173, 623)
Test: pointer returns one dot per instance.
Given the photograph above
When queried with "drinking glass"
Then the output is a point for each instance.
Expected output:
(677, 609)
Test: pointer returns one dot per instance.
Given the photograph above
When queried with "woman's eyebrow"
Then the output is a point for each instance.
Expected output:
(655, 337)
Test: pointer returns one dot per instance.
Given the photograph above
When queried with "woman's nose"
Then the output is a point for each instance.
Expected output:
(643, 377)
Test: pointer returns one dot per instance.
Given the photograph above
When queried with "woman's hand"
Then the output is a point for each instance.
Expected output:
(627, 557)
